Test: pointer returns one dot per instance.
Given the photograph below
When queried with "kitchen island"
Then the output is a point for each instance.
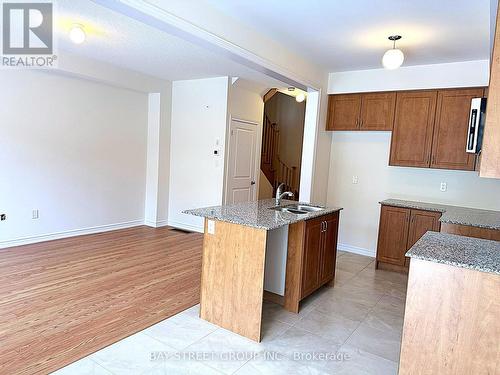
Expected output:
(451, 321)
(236, 240)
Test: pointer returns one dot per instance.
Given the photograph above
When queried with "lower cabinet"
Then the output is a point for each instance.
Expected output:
(311, 257)
(399, 229)
(320, 251)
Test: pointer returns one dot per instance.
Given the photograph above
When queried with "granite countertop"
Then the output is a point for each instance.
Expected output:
(453, 214)
(466, 252)
(257, 214)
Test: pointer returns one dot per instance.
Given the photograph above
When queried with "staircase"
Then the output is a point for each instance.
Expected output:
(273, 167)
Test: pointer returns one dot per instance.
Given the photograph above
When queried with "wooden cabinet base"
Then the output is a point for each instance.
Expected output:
(390, 267)
(232, 278)
(468, 231)
(451, 323)
(315, 238)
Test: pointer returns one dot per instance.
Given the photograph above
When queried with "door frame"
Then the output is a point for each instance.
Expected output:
(258, 147)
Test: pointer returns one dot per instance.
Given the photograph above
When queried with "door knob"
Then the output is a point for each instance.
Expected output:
(252, 183)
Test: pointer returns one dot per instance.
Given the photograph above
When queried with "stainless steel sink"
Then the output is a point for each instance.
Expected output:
(298, 209)
(290, 210)
(307, 208)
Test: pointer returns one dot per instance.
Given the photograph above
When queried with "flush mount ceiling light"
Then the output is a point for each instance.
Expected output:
(394, 57)
(77, 34)
(300, 98)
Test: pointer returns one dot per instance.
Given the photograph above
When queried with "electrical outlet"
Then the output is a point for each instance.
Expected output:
(355, 179)
(443, 186)
(35, 214)
(211, 227)
(3, 217)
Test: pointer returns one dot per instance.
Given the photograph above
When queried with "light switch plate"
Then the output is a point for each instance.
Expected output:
(211, 227)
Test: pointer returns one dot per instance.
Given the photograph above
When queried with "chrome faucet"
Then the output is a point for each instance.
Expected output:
(280, 195)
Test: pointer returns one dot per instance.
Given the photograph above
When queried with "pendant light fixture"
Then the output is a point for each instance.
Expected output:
(394, 57)
(77, 34)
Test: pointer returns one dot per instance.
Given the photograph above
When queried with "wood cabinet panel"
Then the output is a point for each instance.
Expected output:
(450, 129)
(329, 255)
(451, 321)
(490, 153)
(421, 222)
(413, 125)
(312, 256)
(399, 229)
(343, 112)
(377, 111)
(393, 235)
(469, 231)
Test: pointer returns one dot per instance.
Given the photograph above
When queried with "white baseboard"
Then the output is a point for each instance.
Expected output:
(184, 226)
(357, 250)
(156, 224)
(69, 233)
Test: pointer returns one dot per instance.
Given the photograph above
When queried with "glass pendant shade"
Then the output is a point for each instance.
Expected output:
(393, 59)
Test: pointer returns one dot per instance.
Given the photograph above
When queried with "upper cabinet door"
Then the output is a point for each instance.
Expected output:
(377, 111)
(343, 112)
(450, 129)
(413, 125)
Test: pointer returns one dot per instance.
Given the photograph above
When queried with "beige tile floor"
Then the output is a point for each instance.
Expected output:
(355, 326)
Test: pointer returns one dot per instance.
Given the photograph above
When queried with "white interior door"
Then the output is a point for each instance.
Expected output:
(241, 178)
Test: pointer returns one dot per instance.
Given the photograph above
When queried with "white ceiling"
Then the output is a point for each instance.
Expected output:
(125, 42)
(345, 35)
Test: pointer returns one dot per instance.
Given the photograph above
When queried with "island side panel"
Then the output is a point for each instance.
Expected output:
(294, 266)
(232, 278)
(451, 321)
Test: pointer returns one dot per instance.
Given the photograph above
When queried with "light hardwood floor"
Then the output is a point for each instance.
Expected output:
(62, 300)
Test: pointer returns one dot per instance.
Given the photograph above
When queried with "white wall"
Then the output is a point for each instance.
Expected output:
(201, 24)
(158, 157)
(73, 149)
(460, 74)
(199, 120)
(366, 155)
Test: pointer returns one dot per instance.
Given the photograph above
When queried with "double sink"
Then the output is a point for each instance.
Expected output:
(297, 209)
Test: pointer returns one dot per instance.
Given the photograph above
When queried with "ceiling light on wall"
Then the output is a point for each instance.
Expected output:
(300, 98)
(77, 34)
(394, 57)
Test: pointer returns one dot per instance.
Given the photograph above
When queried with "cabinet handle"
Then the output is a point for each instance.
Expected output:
(326, 226)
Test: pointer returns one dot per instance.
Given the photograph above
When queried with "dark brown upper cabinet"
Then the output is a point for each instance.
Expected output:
(413, 125)
(374, 111)
(450, 129)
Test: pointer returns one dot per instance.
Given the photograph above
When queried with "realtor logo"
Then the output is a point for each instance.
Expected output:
(27, 35)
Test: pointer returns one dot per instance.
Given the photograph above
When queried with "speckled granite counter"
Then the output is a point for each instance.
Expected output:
(466, 252)
(453, 214)
(257, 214)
